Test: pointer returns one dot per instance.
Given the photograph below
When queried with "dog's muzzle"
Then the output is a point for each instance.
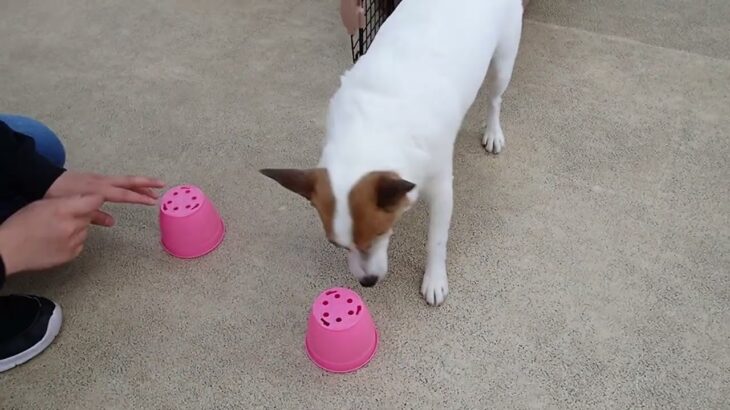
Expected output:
(369, 281)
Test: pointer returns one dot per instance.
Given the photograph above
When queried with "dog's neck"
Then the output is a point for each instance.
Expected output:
(357, 145)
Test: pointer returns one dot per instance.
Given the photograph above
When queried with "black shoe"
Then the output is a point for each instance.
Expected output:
(28, 325)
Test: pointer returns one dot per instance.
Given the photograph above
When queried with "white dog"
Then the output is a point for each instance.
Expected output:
(392, 125)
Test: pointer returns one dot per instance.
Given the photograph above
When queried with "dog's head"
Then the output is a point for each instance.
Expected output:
(356, 216)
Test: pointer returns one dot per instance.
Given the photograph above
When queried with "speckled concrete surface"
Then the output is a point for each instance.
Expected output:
(589, 262)
(697, 26)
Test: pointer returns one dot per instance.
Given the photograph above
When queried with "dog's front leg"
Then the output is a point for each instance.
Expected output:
(435, 285)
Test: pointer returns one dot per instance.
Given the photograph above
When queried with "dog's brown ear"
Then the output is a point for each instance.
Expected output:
(301, 181)
(391, 190)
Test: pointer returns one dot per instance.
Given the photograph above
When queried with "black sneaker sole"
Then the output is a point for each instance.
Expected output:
(54, 326)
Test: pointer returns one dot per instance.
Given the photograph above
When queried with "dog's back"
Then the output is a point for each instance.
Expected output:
(435, 44)
(420, 75)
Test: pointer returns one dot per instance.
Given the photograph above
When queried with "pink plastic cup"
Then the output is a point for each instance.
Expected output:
(190, 225)
(341, 335)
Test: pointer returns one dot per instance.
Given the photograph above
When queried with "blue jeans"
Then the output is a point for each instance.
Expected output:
(47, 144)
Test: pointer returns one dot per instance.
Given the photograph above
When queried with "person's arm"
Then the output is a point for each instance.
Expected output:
(46, 233)
(23, 171)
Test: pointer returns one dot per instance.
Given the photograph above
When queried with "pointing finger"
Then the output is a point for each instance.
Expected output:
(132, 182)
(84, 205)
(146, 192)
(127, 196)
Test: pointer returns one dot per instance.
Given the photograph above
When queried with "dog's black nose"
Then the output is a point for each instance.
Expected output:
(369, 281)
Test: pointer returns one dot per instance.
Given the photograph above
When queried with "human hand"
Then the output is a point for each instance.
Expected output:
(47, 233)
(129, 190)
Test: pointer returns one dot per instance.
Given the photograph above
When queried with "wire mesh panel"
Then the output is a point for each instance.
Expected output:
(375, 13)
(363, 18)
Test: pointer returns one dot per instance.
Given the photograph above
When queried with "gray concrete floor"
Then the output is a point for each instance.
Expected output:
(589, 262)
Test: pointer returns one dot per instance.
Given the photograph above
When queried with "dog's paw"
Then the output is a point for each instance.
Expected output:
(493, 140)
(435, 287)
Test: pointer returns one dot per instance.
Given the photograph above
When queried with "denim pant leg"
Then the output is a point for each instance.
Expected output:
(46, 142)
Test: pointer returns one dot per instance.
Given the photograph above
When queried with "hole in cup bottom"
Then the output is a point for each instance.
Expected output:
(187, 206)
(337, 296)
(330, 292)
(326, 314)
(175, 208)
(326, 323)
(350, 313)
(196, 205)
(349, 300)
(359, 308)
(325, 303)
(164, 207)
(338, 320)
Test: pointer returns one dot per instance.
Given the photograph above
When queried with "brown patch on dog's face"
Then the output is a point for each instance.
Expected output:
(324, 200)
(312, 184)
(376, 202)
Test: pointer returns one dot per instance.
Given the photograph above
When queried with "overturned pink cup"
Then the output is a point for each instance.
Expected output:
(190, 225)
(341, 335)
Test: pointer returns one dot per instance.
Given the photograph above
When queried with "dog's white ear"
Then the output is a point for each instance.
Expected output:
(390, 191)
(301, 181)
